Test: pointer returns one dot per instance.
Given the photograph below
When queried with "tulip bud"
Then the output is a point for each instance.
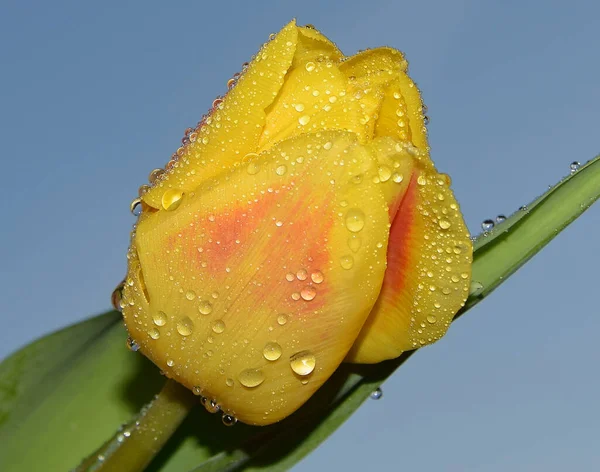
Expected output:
(301, 223)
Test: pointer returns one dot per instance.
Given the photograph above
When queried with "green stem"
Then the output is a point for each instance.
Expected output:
(136, 444)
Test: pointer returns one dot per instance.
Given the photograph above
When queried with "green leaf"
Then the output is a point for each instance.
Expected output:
(39, 364)
(73, 390)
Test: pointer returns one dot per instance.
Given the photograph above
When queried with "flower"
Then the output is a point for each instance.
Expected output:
(301, 224)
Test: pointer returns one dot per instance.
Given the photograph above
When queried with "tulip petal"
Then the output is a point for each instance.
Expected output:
(428, 274)
(314, 46)
(375, 66)
(254, 287)
(401, 114)
(233, 128)
(317, 96)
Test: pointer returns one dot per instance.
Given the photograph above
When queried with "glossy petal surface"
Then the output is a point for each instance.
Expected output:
(254, 287)
(428, 275)
(233, 128)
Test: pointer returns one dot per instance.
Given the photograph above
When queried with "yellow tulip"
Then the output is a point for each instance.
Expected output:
(301, 224)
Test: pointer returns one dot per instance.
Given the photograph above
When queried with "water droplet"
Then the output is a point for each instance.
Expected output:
(190, 295)
(160, 318)
(317, 277)
(295, 296)
(170, 362)
(116, 297)
(303, 362)
(376, 394)
(308, 293)
(228, 420)
(272, 351)
(354, 242)
(487, 225)
(205, 308)
(197, 390)
(171, 199)
(421, 180)
(212, 406)
(132, 345)
(475, 288)
(355, 220)
(253, 168)
(289, 277)
(302, 274)
(347, 262)
(155, 175)
(396, 177)
(154, 333)
(282, 319)
(185, 326)
(218, 326)
(384, 173)
(500, 218)
(444, 224)
(136, 207)
(299, 107)
(304, 119)
(431, 319)
(251, 377)
(574, 166)
(310, 66)
(281, 170)
(229, 382)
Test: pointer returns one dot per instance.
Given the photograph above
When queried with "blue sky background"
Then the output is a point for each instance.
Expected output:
(95, 95)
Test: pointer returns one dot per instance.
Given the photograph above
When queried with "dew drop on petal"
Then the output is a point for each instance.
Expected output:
(132, 345)
(317, 277)
(154, 333)
(185, 326)
(308, 293)
(171, 199)
(354, 242)
(396, 177)
(218, 326)
(228, 420)
(136, 207)
(205, 308)
(384, 173)
(303, 362)
(444, 224)
(355, 220)
(347, 262)
(282, 319)
(272, 351)
(251, 377)
(160, 318)
(303, 120)
(376, 394)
